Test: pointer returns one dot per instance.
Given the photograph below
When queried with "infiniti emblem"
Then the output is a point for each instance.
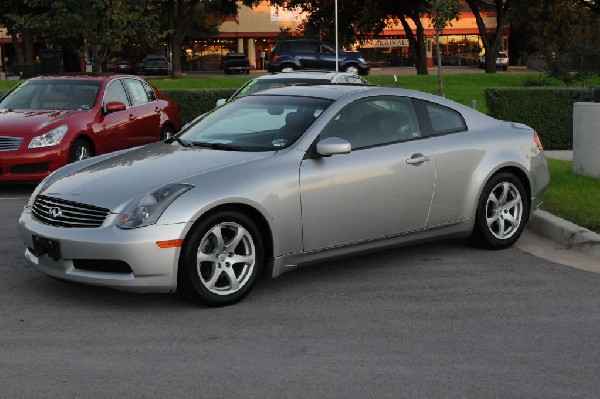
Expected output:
(55, 212)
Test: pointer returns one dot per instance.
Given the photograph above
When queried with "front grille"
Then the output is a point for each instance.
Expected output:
(8, 143)
(102, 265)
(63, 213)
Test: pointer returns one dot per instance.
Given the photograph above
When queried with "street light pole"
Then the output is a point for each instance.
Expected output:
(336, 38)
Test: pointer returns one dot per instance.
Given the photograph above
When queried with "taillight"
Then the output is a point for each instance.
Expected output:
(275, 58)
(538, 142)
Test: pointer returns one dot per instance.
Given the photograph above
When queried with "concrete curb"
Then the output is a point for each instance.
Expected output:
(562, 231)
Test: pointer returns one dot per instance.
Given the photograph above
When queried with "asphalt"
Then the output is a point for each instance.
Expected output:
(567, 234)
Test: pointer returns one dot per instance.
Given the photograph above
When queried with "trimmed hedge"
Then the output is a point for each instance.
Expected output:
(549, 110)
(194, 102)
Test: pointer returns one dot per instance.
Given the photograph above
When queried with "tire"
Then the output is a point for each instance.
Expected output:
(80, 150)
(287, 68)
(352, 69)
(502, 212)
(167, 132)
(220, 259)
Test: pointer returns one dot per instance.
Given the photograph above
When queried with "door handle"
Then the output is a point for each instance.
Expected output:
(417, 159)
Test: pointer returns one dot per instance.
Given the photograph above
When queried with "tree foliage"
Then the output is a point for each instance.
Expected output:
(566, 33)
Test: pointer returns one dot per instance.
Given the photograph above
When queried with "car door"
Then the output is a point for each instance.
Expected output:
(111, 131)
(382, 187)
(145, 111)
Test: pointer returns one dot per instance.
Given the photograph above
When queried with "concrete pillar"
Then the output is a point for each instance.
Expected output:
(252, 53)
(586, 139)
(240, 45)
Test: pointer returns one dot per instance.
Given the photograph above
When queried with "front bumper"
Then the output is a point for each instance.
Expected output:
(151, 269)
(31, 165)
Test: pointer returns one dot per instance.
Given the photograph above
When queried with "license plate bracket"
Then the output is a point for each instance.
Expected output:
(42, 246)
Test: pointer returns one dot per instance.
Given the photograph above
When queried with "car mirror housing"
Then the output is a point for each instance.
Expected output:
(114, 106)
(332, 146)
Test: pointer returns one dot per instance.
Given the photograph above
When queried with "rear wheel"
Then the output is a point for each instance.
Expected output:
(221, 259)
(502, 212)
(80, 150)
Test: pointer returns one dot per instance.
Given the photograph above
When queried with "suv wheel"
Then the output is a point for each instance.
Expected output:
(352, 69)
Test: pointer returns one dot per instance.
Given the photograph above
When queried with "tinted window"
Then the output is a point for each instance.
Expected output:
(444, 120)
(375, 121)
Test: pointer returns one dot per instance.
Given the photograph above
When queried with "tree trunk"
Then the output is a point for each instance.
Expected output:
(176, 45)
(439, 64)
(416, 44)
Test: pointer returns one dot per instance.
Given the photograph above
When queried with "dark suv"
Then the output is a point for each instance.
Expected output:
(314, 54)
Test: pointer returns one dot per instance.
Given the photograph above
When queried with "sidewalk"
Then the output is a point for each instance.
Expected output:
(567, 234)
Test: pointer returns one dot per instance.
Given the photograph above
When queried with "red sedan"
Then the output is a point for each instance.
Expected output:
(47, 122)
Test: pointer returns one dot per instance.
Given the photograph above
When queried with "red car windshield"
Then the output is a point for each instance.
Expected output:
(52, 95)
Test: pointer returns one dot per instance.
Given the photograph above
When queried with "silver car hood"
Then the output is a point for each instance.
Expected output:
(114, 180)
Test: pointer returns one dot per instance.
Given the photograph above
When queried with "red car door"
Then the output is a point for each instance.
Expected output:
(115, 130)
(146, 110)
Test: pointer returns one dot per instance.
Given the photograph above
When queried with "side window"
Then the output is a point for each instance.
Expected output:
(444, 120)
(149, 92)
(137, 91)
(327, 49)
(375, 121)
(115, 92)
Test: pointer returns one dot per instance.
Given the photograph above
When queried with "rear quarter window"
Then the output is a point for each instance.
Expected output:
(442, 119)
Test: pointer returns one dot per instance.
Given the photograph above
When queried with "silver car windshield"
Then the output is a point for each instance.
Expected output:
(255, 123)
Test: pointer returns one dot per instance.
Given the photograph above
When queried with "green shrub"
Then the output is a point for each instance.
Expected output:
(194, 102)
(549, 110)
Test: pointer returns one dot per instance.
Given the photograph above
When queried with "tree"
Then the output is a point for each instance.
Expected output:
(19, 17)
(97, 27)
(182, 15)
(491, 42)
(566, 33)
(442, 13)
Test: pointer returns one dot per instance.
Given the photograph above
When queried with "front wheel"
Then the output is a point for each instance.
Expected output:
(80, 150)
(167, 132)
(221, 259)
(502, 212)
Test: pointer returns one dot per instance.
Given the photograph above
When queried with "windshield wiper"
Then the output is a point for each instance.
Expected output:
(177, 139)
(216, 146)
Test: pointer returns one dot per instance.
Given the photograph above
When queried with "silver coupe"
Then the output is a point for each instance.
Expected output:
(281, 178)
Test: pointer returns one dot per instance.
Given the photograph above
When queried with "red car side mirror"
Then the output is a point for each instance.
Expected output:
(114, 106)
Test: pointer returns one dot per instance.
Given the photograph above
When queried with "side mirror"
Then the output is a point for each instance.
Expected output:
(332, 146)
(114, 106)
(221, 102)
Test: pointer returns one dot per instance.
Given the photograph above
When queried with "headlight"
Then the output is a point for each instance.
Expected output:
(52, 138)
(149, 208)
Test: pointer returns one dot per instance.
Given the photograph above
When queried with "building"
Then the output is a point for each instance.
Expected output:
(255, 30)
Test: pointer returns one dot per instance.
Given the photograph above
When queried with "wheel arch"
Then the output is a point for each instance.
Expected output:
(518, 173)
(254, 214)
